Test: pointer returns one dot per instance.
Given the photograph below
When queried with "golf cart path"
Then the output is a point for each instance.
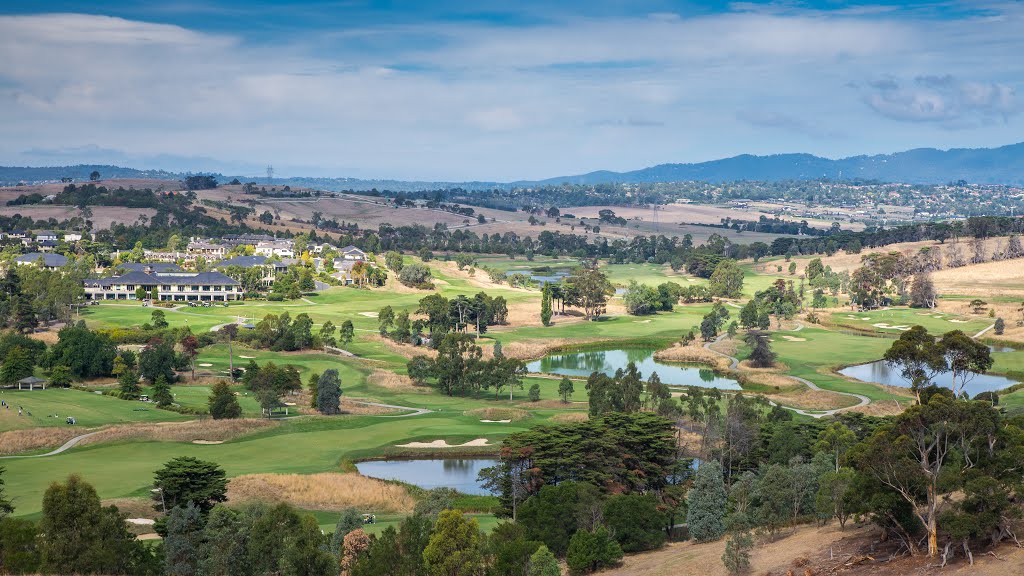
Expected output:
(67, 446)
(415, 411)
(734, 363)
(982, 333)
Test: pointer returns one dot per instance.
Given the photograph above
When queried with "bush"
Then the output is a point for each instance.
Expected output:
(635, 520)
(590, 551)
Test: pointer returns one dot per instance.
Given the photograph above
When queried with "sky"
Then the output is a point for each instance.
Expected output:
(498, 90)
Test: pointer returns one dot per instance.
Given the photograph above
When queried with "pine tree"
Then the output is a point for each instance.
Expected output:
(706, 501)
(455, 546)
(543, 563)
(328, 393)
(224, 551)
(534, 393)
(183, 542)
(162, 392)
(222, 402)
(545, 305)
(349, 520)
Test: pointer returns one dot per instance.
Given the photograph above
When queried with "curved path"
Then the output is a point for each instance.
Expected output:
(67, 446)
(415, 411)
(734, 364)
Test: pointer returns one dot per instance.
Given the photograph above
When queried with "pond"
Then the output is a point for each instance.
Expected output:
(608, 361)
(540, 277)
(457, 473)
(880, 372)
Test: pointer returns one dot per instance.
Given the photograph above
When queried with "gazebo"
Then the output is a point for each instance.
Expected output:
(32, 382)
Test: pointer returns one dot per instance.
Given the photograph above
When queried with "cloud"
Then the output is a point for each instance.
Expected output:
(946, 100)
(472, 99)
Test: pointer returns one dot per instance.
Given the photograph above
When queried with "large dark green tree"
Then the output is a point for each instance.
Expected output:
(328, 393)
(186, 479)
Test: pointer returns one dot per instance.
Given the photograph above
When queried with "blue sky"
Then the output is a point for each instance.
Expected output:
(498, 90)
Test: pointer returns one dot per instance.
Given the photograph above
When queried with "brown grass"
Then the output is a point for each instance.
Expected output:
(533, 349)
(324, 491)
(192, 430)
(393, 381)
(513, 414)
(134, 508)
(697, 354)
(570, 417)
(351, 406)
(18, 441)
(555, 404)
(406, 350)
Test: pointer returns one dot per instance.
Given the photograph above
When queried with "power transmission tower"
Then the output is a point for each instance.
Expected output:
(654, 209)
(270, 174)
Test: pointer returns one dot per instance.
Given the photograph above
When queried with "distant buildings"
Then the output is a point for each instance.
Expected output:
(47, 261)
(169, 286)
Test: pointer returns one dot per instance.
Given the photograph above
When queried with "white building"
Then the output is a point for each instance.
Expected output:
(279, 248)
(170, 286)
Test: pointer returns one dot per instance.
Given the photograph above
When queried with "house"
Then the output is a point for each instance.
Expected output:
(233, 240)
(207, 248)
(149, 267)
(18, 234)
(48, 245)
(352, 253)
(72, 236)
(271, 268)
(279, 248)
(43, 235)
(170, 286)
(49, 261)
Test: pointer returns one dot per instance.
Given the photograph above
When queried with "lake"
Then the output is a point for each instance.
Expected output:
(880, 372)
(540, 277)
(457, 473)
(608, 361)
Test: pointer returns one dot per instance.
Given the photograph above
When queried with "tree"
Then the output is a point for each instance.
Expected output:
(94, 176)
(590, 289)
(81, 536)
(589, 551)
(545, 305)
(6, 507)
(565, 389)
(354, 545)
(737, 548)
(157, 360)
(727, 280)
(190, 348)
(776, 496)
(455, 547)
(128, 385)
(419, 369)
(183, 541)
(86, 353)
(347, 332)
(641, 299)
(159, 319)
(918, 356)
(60, 377)
(17, 365)
(761, 353)
(394, 261)
(349, 520)
(543, 563)
(999, 327)
(328, 393)
(162, 392)
(835, 440)
(385, 319)
(186, 479)
(222, 402)
(229, 332)
(835, 497)
(635, 521)
(416, 276)
(922, 291)
(966, 358)
(706, 503)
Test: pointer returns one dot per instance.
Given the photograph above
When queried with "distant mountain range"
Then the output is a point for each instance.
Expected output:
(1003, 165)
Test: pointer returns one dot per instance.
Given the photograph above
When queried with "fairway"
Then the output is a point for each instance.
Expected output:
(87, 408)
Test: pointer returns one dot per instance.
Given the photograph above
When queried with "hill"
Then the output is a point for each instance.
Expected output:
(1003, 165)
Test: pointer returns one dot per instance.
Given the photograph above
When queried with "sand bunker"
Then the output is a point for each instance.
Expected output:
(207, 441)
(445, 444)
(140, 521)
(886, 326)
(368, 314)
(497, 421)
(206, 365)
(641, 321)
(794, 339)
(959, 321)
(247, 357)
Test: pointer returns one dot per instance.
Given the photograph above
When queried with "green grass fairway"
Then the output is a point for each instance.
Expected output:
(89, 409)
(934, 322)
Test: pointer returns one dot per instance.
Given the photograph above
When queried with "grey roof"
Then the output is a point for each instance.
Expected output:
(49, 243)
(171, 278)
(45, 233)
(249, 262)
(350, 248)
(155, 266)
(32, 380)
(49, 260)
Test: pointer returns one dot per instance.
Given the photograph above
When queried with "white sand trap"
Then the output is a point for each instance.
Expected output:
(140, 521)
(497, 421)
(795, 339)
(959, 321)
(924, 313)
(150, 536)
(444, 444)
(865, 318)
(641, 321)
(206, 365)
(691, 280)
(248, 357)
(733, 304)
(207, 442)
(368, 314)
(888, 327)
(289, 403)
(851, 317)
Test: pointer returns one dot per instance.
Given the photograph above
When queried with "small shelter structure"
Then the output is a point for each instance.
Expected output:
(32, 382)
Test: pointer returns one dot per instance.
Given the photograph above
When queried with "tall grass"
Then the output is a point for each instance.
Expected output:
(18, 441)
(324, 491)
(193, 430)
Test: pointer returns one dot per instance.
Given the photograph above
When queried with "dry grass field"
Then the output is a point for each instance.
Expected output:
(324, 491)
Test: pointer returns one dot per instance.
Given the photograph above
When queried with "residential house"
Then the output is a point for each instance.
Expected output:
(208, 248)
(170, 286)
(43, 235)
(271, 268)
(352, 253)
(72, 236)
(47, 245)
(279, 248)
(149, 267)
(48, 261)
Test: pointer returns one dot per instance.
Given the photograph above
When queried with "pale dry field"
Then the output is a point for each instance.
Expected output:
(324, 491)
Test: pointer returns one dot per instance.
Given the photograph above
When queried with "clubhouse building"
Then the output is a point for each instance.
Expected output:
(169, 286)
